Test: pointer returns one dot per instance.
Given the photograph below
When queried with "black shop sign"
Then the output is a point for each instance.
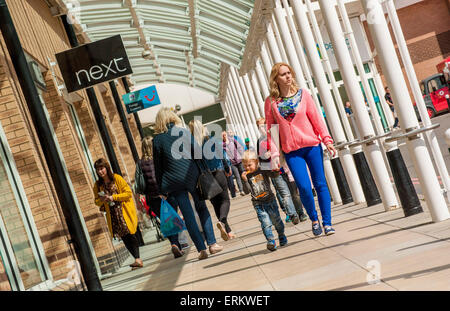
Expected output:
(94, 63)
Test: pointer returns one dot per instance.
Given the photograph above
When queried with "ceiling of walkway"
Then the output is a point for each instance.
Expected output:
(185, 42)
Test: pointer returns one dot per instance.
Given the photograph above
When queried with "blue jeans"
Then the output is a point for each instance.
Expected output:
(182, 198)
(313, 157)
(284, 193)
(268, 214)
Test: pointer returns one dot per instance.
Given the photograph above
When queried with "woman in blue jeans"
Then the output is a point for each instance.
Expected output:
(302, 130)
(177, 174)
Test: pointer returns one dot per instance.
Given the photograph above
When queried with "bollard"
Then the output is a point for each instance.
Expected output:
(405, 188)
(344, 189)
(367, 182)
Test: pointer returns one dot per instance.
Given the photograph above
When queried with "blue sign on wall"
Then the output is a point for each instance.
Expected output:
(141, 99)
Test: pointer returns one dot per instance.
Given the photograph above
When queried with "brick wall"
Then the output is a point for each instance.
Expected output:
(79, 174)
(28, 158)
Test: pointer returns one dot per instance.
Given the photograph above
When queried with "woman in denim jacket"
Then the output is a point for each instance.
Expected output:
(220, 166)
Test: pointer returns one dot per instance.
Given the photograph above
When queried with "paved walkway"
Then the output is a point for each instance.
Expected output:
(413, 254)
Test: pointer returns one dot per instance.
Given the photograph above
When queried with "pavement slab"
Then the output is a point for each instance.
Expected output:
(372, 250)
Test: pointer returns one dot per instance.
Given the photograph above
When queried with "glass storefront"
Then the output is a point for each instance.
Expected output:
(21, 266)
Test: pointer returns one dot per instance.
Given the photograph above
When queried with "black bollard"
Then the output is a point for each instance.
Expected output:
(365, 176)
(344, 189)
(405, 188)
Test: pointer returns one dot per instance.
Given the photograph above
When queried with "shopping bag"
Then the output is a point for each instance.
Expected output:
(171, 222)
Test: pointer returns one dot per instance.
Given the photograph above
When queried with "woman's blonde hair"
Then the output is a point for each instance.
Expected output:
(163, 118)
(198, 131)
(273, 84)
(147, 148)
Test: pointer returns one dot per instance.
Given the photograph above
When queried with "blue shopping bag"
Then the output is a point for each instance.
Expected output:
(171, 222)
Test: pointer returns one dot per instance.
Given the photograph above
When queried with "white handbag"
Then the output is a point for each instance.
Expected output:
(275, 135)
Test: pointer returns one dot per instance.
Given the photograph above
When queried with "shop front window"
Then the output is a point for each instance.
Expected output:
(20, 262)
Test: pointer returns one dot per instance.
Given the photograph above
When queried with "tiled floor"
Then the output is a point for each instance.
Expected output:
(410, 254)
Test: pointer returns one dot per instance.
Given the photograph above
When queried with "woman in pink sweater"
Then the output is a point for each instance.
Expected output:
(301, 129)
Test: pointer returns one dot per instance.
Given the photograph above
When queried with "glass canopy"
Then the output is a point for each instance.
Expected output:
(172, 41)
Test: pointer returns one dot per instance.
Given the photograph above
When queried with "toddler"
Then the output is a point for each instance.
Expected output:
(263, 199)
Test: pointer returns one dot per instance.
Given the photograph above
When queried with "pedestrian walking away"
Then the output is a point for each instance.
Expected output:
(115, 198)
(177, 175)
(301, 131)
(234, 152)
(220, 166)
(263, 199)
(146, 184)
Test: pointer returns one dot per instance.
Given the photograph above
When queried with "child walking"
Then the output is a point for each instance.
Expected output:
(263, 199)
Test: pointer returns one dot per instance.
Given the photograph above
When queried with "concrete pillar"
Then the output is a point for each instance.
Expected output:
(327, 100)
(248, 105)
(263, 84)
(409, 68)
(265, 58)
(286, 38)
(329, 71)
(234, 104)
(251, 96)
(241, 105)
(257, 92)
(272, 45)
(360, 67)
(373, 151)
(393, 73)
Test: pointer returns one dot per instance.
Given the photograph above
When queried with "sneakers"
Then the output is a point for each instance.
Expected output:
(295, 219)
(203, 255)
(176, 251)
(303, 217)
(184, 246)
(242, 193)
(316, 229)
(329, 230)
(231, 235)
(215, 248)
(271, 245)
(223, 232)
(283, 240)
(288, 219)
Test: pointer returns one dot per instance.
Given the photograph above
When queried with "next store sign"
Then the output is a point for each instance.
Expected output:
(94, 63)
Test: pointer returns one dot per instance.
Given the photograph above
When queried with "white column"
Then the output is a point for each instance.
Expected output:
(248, 107)
(380, 90)
(257, 92)
(234, 101)
(266, 61)
(272, 45)
(329, 71)
(331, 179)
(408, 121)
(328, 103)
(377, 79)
(280, 45)
(263, 83)
(409, 68)
(251, 95)
(373, 151)
(360, 66)
(237, 125)
(228, 117)
(241, 105)
(285, 35)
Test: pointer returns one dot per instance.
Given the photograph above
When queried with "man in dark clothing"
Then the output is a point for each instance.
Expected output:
(388, 99)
